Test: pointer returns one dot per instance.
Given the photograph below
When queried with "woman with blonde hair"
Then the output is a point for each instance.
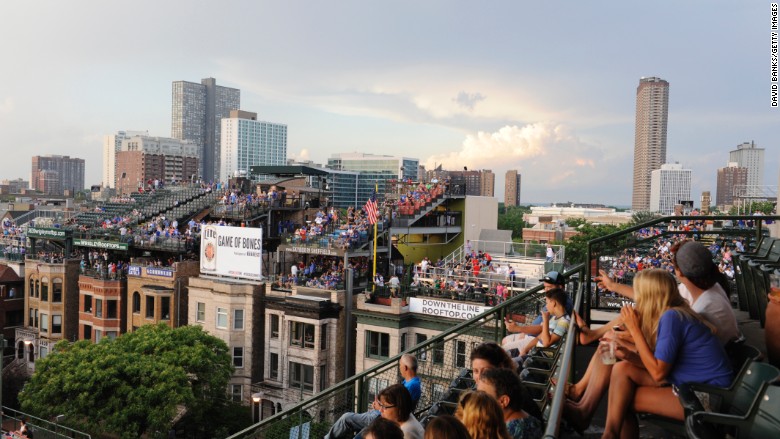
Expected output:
(675, 346)
(482, 416)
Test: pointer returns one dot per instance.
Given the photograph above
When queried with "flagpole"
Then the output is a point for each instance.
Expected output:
(376, 188)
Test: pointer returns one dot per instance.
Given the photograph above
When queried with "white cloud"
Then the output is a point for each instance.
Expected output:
(7, 106)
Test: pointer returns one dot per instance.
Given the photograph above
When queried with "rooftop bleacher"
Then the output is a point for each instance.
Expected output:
(444, 373)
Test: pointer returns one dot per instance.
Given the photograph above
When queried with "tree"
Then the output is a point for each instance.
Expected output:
(133, 385)
(642, 217)
(511, 218)
(750, 207)
(577, 245)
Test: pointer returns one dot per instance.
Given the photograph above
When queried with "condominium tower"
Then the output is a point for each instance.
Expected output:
(111, 145)
(652, 113)
(747, 155)
(54, 174)
(248, 142)
(196, 114)
(729, 177)
(512, 188)
(669, 186)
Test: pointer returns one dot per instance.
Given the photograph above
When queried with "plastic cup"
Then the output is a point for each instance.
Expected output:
(607, 352)
(774, 285)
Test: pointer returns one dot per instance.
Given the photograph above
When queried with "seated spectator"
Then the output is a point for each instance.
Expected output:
(350, 422)
(395, 404)
(482, 416)
(555, 324)
(488, 356)
(505, 386)
(446, 427)
(382, 428)
(675, 345)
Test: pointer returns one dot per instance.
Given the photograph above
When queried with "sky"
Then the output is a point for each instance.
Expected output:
(547, 88)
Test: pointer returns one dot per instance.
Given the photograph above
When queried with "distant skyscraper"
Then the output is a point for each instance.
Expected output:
(111, 145)
(248, 142)
(652, 113)
(196, 114)
(54, 174)
(144, 158)
(729, 177)
(512, 188)
(706, 202)
(487, 183)
(669, 186)
(747, 155)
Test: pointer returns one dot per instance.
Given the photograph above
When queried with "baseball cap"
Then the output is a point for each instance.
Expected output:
(694, 260)
(553, 277)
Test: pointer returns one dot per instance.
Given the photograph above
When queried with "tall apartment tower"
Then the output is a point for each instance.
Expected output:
(196, 114)
(487, 183)
(706, 202)
(111, 145)
(668, 187)
(729, 177)
(652, 114)
(512, 188)
(54, 174)
(747, 155)
(248, 142)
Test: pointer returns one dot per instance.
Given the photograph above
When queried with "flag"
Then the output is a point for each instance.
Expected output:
(371, 208)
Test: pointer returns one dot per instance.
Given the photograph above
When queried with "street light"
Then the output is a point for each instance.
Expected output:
(255, 400)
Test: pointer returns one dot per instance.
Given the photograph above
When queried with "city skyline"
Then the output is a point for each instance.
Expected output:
(540, 88)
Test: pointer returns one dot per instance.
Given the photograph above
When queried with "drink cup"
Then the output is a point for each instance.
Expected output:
(774, 285)
(607, 351)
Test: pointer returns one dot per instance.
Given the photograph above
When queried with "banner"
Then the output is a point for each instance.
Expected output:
(45, 233)
(231, 251)
(443, 308)
(96, 243)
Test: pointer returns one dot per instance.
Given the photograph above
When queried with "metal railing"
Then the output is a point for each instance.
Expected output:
(41, 428)
(440, 360)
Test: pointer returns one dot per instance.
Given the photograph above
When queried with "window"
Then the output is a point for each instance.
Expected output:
(98, 307)
(201, 312)
(324, 337)
(273, 372)
(323, 377)
(56, 285)
(56, 324)
(302, 335)
(438, 353)
(301, 376)
(136, 303)
(403, 342)
(32, 287)
(275, 326)
(87, 332)
(44, 323)
(222, 318)
(43, 351)
(238, 357)
(98, 335)
(423, 355)
(149, 307)
(165, 308)
(88, 303)
(238, 319)
(378, 344)
(235, 392)
(460, 353)
(45, 288)
(111, 334)
(111, 309)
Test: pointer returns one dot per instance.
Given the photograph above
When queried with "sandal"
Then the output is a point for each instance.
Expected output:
(566, 390)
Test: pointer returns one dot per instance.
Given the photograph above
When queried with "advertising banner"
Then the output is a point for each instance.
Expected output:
(96, 243)
(47, 233)
(443, 308)
(231, 251)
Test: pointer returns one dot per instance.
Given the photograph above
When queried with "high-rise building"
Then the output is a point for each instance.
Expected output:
(747, 155)
(729, 177)
(487, 183)
(512, 188)
(111, 145)
(144, 158)
(375, 170)
(54, 174)
(669, 186)
(652, 113)
(196, 114)
(248, 142)
(706, 202)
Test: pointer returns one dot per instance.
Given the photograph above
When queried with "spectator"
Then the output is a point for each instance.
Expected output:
(382, 428)
(555, 324)
(395, 404)
(446, 427)
(394, 283)
(505, 386)
(481, 415)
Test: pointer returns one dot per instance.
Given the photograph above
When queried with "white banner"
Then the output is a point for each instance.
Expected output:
(443, 308)
(231, 251)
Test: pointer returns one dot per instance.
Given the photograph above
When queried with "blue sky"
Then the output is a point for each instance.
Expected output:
(547, 88)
